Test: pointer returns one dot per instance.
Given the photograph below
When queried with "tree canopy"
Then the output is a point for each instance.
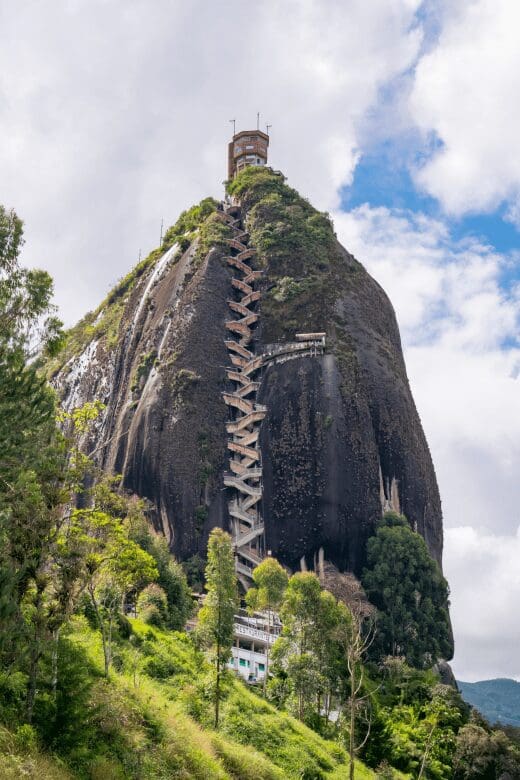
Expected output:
(411, 595)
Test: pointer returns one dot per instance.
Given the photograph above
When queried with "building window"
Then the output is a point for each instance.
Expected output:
(243, 662)
(261, 667)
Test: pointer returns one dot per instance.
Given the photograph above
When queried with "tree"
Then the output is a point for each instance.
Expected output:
(217, 614)
(32, 454)
(482, 754)
(356, 639)
(172, 577)
(113, 565)
(27, 324)
(27, 321)
(307, 651)
(270, 580)
(411, 595)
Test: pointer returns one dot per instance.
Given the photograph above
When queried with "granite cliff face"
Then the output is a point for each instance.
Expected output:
(342, 438)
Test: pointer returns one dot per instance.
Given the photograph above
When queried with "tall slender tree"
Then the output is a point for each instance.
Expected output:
(216, 616)
(356, 637)
(32, 454)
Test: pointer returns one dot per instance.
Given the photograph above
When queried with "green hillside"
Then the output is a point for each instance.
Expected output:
(152, 719)
(498, 700)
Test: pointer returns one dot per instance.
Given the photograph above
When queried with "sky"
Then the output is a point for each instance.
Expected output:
(401, 119)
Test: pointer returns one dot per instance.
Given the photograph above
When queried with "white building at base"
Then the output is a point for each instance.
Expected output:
(252, 635)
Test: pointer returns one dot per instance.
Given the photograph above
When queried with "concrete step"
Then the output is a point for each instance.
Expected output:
(228, 219)
(236, 510)
(247, 571)
(247, 254)
(230, 480)
(238, 284)
(238, 403)
(241, 449)
(236, 376)
(246, 390)
(236, 263)
(253, 276)
(250, 501)
(234, 346)
(251, 298)
(235, 244)
(244, 437)
(249, 554)
(241, 467)
(238, 326)
(251, 472)
(248, 419)
(251, 366)
(239, 307)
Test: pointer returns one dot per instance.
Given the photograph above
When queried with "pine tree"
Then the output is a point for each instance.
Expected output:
(411, 595)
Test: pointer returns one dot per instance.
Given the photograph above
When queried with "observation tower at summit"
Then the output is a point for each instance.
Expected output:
(248, 147)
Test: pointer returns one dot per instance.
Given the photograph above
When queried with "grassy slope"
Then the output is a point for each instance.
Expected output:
(139, 726)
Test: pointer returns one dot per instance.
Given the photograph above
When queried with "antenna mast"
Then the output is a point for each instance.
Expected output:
(233, 122)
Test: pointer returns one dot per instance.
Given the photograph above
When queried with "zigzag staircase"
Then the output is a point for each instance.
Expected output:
(245, 463)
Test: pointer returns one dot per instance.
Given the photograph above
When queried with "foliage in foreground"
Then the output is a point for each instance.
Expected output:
(152, 718)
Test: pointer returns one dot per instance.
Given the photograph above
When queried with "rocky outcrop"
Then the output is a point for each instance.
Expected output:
(342, 438)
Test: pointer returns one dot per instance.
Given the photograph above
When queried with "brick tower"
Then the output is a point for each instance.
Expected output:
(249, 147)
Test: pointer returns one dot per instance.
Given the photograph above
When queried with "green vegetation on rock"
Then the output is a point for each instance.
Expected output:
(146, 363)
(297, 246)
(103, 323)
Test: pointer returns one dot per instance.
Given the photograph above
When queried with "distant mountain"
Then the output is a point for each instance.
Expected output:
(498, 700)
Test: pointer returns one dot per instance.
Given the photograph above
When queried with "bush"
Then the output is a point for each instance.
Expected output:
(13, 688)
(152, 605)
(26, 739)
(152, 616)
(159, 667)
(106, 769)
(124, 627)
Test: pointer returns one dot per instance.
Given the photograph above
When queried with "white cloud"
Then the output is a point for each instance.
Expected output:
(465, 92)
(485, 584)
(114, 115)
(459, 329)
